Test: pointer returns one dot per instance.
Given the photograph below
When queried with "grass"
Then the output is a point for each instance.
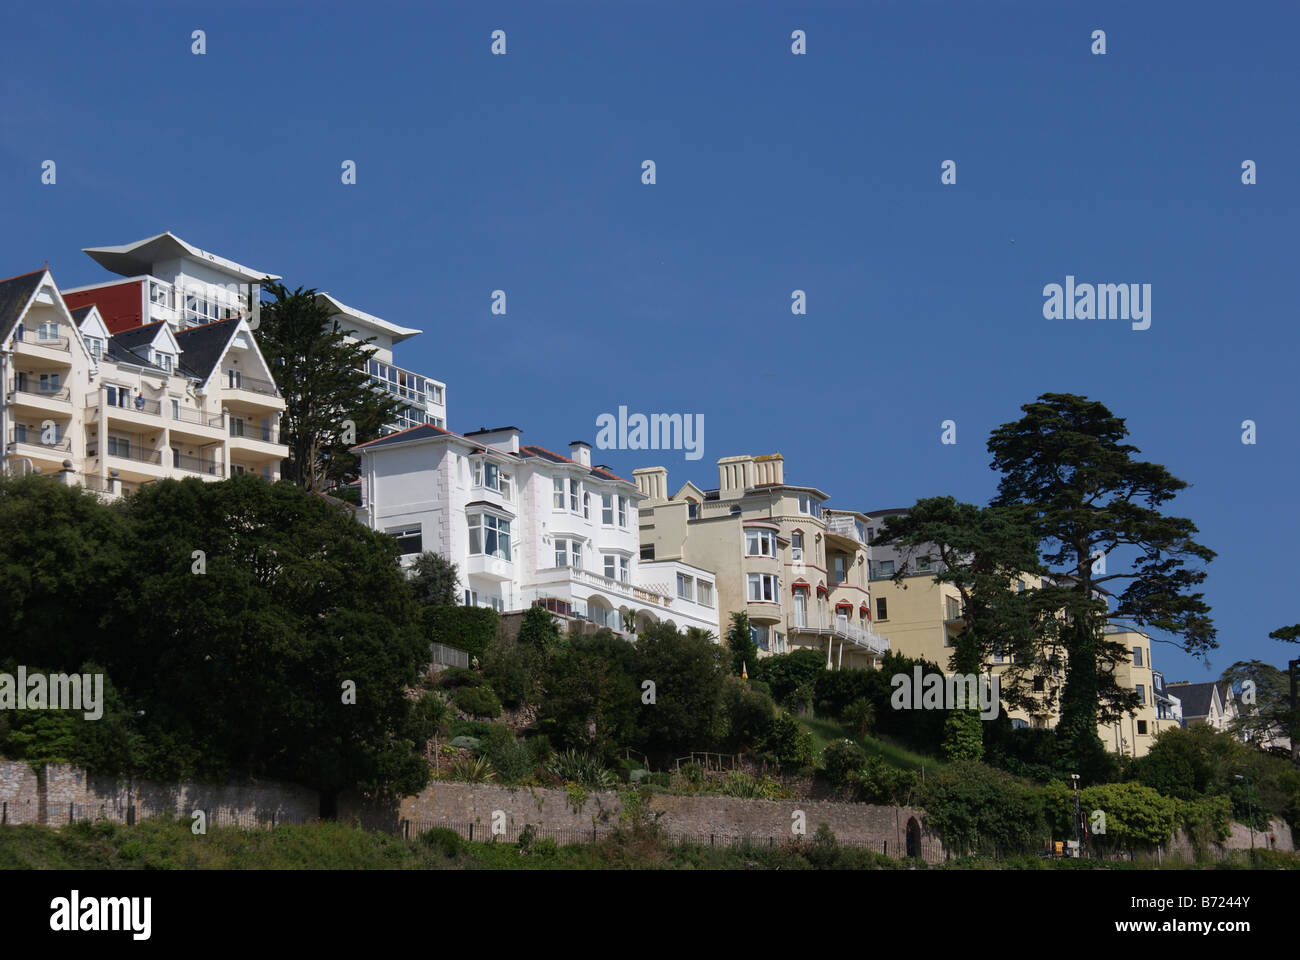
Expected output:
(825, 731)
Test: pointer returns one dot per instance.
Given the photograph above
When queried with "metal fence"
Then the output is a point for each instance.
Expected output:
(55, 813)
(449, 656)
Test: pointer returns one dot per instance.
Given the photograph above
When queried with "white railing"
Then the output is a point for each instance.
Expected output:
(845, 630)
(610, 585)
(845, 527)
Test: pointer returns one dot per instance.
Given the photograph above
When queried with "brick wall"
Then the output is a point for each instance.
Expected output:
(456, 805)
(64, 792)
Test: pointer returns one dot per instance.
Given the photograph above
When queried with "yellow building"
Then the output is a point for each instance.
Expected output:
(796, 568)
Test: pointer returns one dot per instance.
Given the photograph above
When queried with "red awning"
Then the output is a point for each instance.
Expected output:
(821, 588)
(844, 605)
(799, 585)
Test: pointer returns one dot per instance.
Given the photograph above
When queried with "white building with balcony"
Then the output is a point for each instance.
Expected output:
(526, 526)
(424, 399)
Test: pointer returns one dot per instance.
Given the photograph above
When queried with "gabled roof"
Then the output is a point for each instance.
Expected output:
(15, 294)
(120, 353)
(204, 346)
(143, 336)
(1196, 697)
(134, 259)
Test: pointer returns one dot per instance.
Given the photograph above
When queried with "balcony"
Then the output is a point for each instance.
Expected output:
(43, 345)
(840, 628)
(198, 465)
(604, 584)
(244, 393)
(204, 425)
(32, 438)
(33, 395)
(847, 528)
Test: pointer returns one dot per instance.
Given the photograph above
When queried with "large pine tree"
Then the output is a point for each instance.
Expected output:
(330, 401)
(1090, 497)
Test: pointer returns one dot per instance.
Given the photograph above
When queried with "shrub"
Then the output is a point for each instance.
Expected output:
(470, 728)
(446, 841)
(478, 701)
(428, 716)
(510, 759)
(789, 745)
(741, 784)
(574, 766)
(475, 770)
(785, 672)
(513, 670)
(963, 739)
(841, 758)
(749, 715)
(465, 628)
(455, 677)
(859, 716)
(976, 808)
(878, 782)
(539, 749)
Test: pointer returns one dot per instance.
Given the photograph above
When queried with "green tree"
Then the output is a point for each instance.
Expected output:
(591, 697)
(740, 641)
(1097, 511)
(687, 672)
(322, 376)
(787, 672)
(538, 630)
(1291, 634)
(432, 579)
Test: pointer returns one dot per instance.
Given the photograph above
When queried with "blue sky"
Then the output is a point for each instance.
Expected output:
(775, 172)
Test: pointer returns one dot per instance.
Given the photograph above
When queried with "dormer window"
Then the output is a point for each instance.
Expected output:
(493, 477)
(809, 505)
(163, 360)
(95, 346)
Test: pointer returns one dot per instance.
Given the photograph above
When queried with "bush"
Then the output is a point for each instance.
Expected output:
(478, 729)
(749, 715)
(513, 670)
(477, 701)
(476, 770)
(840, 759)
(963, 739)
(510, 759)
(539, 749)
(573, 766)
(878, 782)
(976, 808)
(789, 744)
(465, 628)
(455, 677)
(859, 716)
(785, 672)
(446, 841)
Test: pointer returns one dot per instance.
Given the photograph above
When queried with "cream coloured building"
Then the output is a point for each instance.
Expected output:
(115, 411)
(797, 569)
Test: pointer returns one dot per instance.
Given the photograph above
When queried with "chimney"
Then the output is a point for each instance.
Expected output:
(580, 451)
(653, 482)
(769, 469)
(502, 438)
(735, 476)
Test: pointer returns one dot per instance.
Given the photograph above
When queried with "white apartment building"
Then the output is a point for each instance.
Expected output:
(425, 399)
(115, 411)
(526, 526)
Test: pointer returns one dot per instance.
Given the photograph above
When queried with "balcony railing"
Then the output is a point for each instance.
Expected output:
(249, 383)
(33, 437)
(581, 610)
(200, 417)
(845, 527)
(265, 434)
(34, 388)
(132, 453)
(211, 468)
(844, 629)
(35, 337)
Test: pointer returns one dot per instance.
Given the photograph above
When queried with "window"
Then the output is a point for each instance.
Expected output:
(47, 331)
(760, 543)
(586, 505)
(234, 379)
(1018, 724)
(236, 427)
(1142, 727)
(1137, 656)
(839, 571)
(557, 493)
(764, 587)
(119, 447)
(692, 510)
(1142, 693)
(952, 608)
(1040, 684)
(568, 553)
(647, 551)
(606, 509)
(622, 510)
(923, 562)
(610, 565)
(809, 505)
(408, 539)
(871, 534)
(624, 570)
(704, 593)
(20, 433)
(115, 396)
(176, 409)
(759, 635)
(685, 587)
(796, 546)
(163, 360)
(489, 535)
(882, 609)
(573, 495)
(49, 383)
(95, 346)
(885, 568)
(493, 477)
(1020, 586)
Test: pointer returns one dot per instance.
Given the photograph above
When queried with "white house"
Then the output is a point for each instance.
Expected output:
(527, 526)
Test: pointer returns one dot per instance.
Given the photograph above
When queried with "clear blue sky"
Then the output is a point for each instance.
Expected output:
(775, 172)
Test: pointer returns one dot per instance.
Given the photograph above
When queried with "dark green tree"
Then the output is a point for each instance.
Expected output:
(322, 376)
(591, 697)
(1089, 497)
(687, 671)
(1291, 634)
(538, 630)
(432, 579)
(740, 641)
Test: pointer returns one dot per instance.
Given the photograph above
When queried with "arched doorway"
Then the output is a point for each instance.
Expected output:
(913, 838)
